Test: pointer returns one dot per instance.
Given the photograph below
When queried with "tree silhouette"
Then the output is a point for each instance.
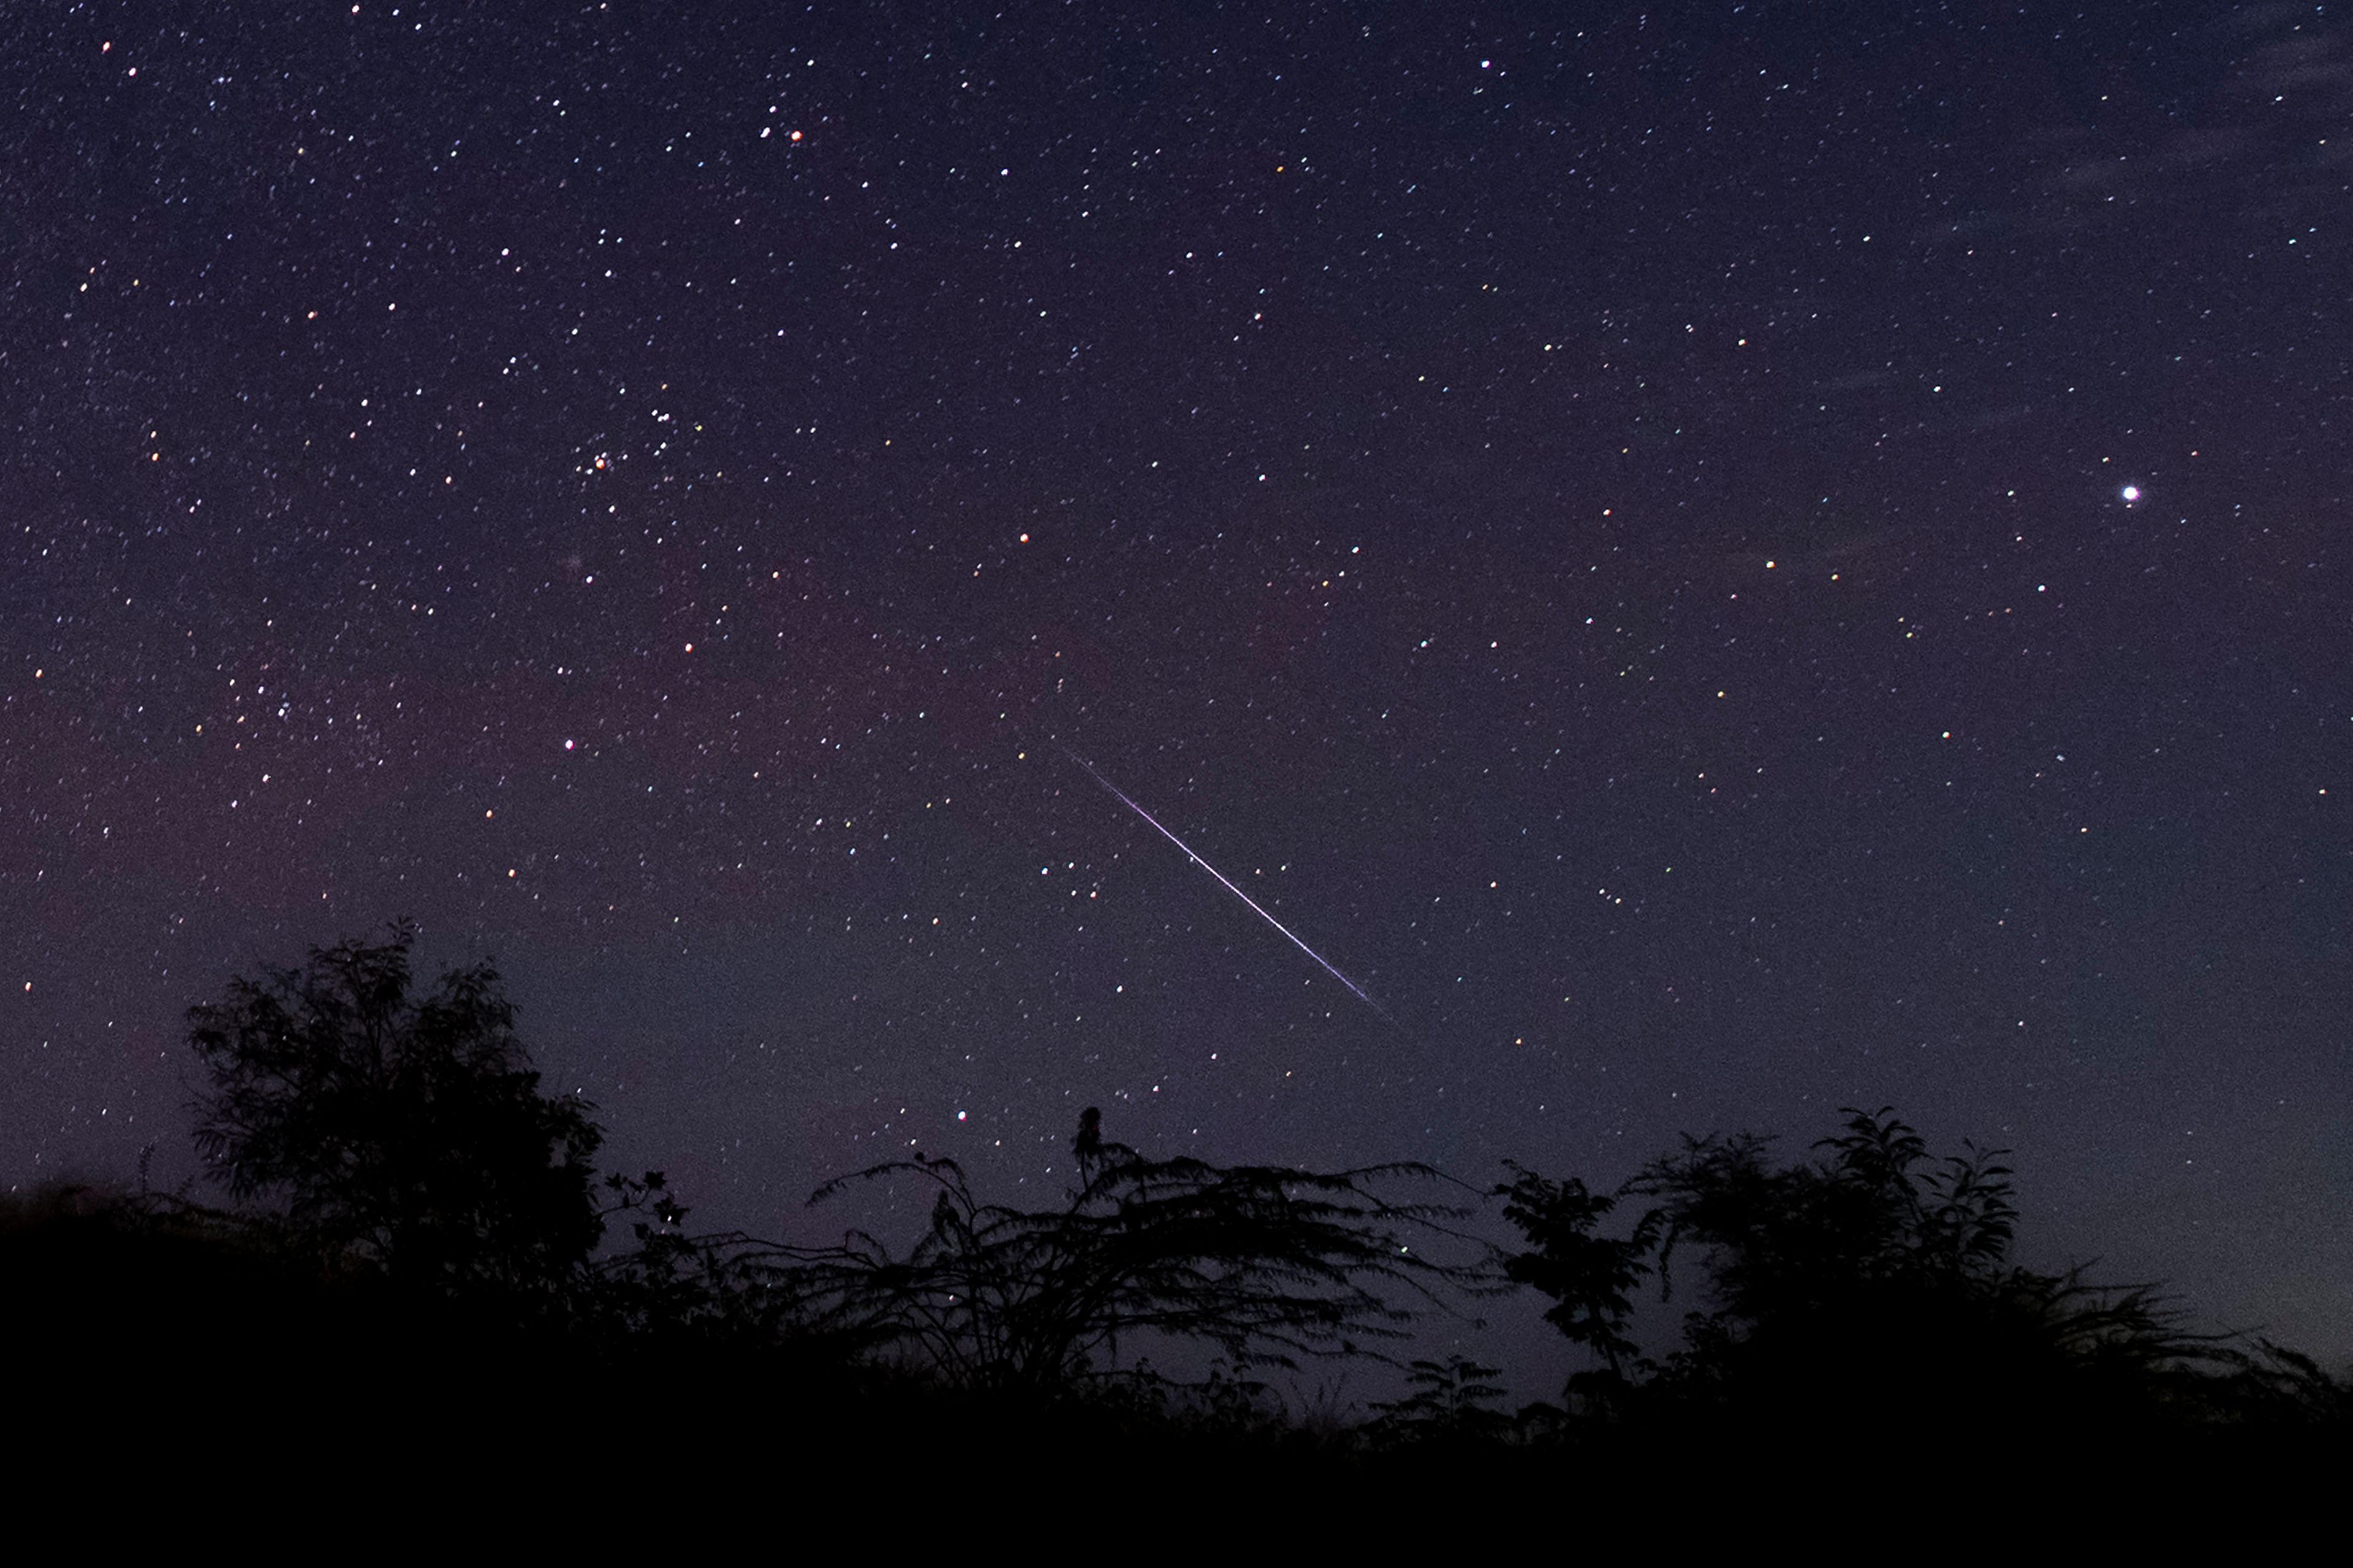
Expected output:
(397, 1135)
(1868, 1282)
(1866, 1276)
(1875, 1212)
(1589, 1276)
(1264, 1265)
(1452, 1402)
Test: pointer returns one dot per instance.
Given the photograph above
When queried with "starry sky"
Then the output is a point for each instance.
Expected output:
(1719, 560)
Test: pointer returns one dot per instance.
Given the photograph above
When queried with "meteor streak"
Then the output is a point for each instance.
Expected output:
(1122, 795)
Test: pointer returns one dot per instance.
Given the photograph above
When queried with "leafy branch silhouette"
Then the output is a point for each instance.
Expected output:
(1268, 1266)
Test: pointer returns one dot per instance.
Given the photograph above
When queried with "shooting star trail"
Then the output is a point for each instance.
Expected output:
(1122, 797)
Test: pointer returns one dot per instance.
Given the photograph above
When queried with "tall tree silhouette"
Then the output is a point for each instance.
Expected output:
(396, 1135)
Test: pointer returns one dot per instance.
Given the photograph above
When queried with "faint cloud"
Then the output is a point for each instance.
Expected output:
(2270, 144)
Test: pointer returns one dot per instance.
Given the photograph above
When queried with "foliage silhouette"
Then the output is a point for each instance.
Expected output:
(1452, 1402)
(1589, 1276)
(1265, 1265)
(719, 1291)
(1863, 1296)
(1796, 1239)
(1874, 1278)
(400, 1136)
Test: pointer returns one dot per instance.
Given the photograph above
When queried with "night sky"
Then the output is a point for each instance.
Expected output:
(1720, 560)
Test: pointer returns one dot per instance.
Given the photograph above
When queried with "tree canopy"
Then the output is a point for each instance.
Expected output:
(396, 1133)
(1870, 1278)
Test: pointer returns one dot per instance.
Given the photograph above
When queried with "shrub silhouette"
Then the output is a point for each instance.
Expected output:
(399, 1136)
(1871, 1284)
(1453, 1402)
(1264, 1265)
(85, 1268)
(1589, 1276)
